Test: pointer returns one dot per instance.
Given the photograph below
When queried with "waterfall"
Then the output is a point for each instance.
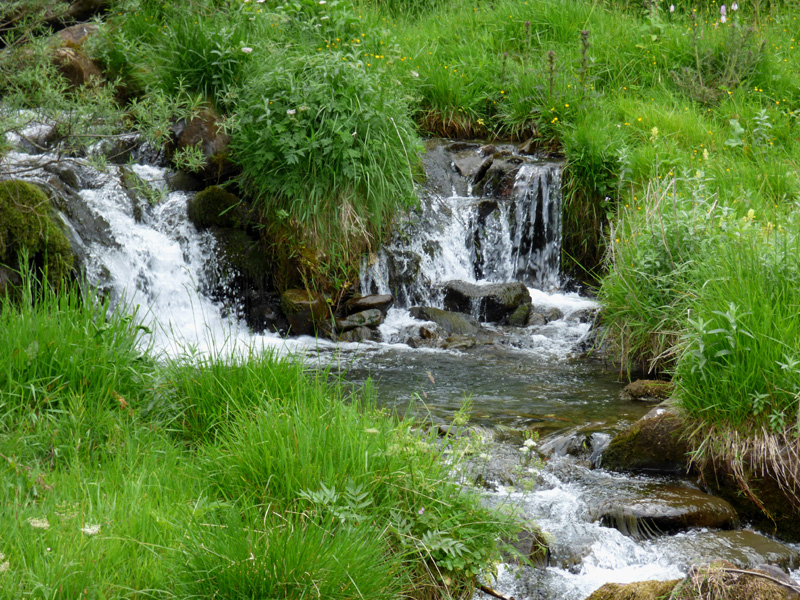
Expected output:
(474, 238)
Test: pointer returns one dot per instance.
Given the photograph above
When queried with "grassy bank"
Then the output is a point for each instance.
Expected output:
(126, 477)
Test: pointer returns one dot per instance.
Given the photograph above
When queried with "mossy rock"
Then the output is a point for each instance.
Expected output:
(640, 590)
(215, 207)
(307, 312)
(26, 224)
(652, 444)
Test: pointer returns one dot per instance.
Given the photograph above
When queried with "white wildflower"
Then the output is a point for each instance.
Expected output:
(39, 523)
(90, 529)
(371, 430)
(735, 6)
(4, 566)
(530, 443)
(672, 8)
(247, 50)
(291, 111)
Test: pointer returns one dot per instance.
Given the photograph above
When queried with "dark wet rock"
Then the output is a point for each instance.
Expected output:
(481, 171)
(519, 318)
(769, 504)
(668, 509)
(123, 149)
(306, 311)
(583, 315)
(651, 444)
(367, 318)
(381, 302)
(640, 590)
(360, 334)
(491, 302)
(452, 323)
(181, 181)
(427, 334)
(536, 319)
(467, 163)
(500, 176)
(75, 67)
(648, 390)
(215, 207)
(81, 10)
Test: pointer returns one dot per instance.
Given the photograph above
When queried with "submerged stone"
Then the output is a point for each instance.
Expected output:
(667, 509)
(648, 390)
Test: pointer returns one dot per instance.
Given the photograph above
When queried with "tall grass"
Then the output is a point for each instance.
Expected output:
(121, 476)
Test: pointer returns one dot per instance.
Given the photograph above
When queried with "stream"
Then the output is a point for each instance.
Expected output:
(537, 379)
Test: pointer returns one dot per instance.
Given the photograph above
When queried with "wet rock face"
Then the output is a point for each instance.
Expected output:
(490, 303)
(307, 312)
(652, 444)
(381, 302)
(668, 509)
(367, 318)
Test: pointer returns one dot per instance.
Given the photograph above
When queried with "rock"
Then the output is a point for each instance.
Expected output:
(743, 548)
(451, 322)
(640, 590)
(427, 334)
(531, 545)
(536, 319)
(519, 318)
(367, 318)
(651, 444)
(668, 509)
(26, 222)
(78, 69)
(492, 302)
(204, 131)
(551, 313)
(500, 177)
(487, 150)
(467, 163)
(359, 334)
(648, 390)
(770, 504)
(181, 181)
(723, 581)
(81, 10)
(381, 302)
(306, 311)
(583, 315)
(76, 35)
(481, 171)
(459, 342)
(529, 147)
(215, 207)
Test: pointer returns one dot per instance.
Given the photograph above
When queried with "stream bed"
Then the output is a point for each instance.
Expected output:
(533, 380)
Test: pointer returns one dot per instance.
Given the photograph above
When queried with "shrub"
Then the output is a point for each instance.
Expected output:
(326, 148)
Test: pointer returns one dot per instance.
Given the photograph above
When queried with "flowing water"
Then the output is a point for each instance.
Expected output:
(530, 379)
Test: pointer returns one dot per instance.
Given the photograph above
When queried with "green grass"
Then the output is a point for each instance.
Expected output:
(123, 476)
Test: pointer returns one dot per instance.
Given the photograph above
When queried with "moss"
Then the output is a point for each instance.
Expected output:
(641, 590)
(214, 207)
(25, 224)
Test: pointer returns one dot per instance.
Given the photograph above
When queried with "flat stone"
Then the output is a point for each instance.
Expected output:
(367, 318)
(743, 548)
(668, 509)
(382, 302)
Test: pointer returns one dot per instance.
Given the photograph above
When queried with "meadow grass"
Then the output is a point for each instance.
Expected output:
(125, 475)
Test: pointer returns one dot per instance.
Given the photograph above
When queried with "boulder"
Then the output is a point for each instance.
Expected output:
(536, 319)
(76, 67)
(491, 302)
(499, 178)
(452, 323)
(519, 318)
(667, 509)
(367, 318)
(381, 302)
(459, 342)
(215, 207)
(307, 312)
(652, 444)
(531, 543)
(204, 131)
(359, 334)
(76, 35)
